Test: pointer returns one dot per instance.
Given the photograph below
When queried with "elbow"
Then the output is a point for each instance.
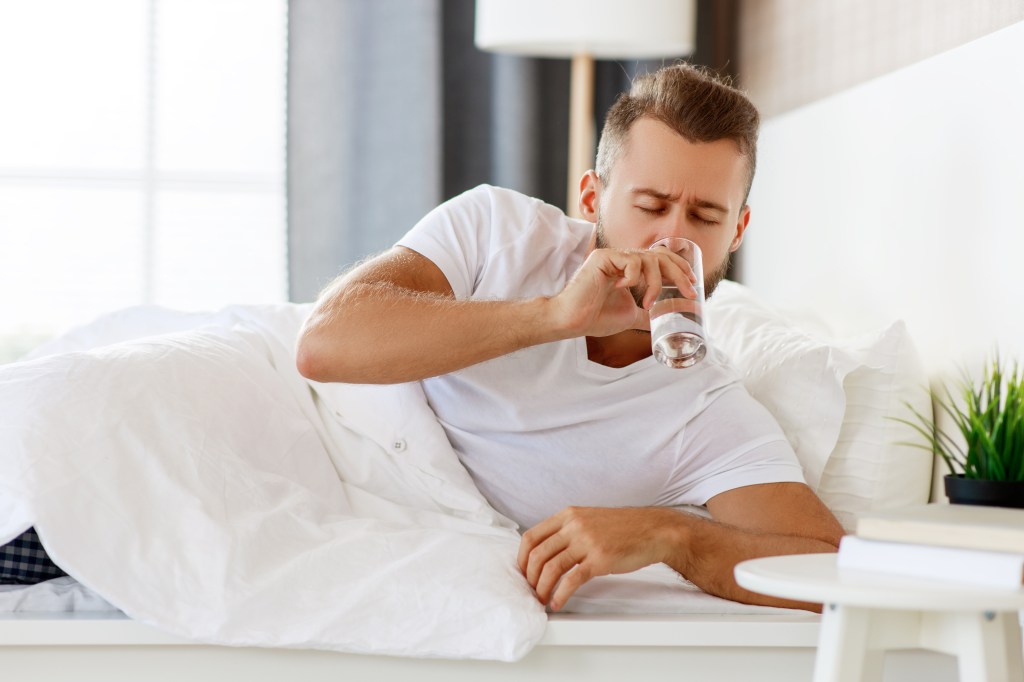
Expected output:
(308, 359)
(328, 359)
(317, 354)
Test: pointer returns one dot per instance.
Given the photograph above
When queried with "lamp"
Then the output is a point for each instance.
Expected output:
(585, 30)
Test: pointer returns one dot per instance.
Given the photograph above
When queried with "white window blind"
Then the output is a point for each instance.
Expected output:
(142, 154)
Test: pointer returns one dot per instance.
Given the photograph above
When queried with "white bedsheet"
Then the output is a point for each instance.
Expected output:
(197, 482)
(54, 595)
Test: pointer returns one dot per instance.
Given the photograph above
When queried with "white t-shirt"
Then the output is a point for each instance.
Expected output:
(545, 427)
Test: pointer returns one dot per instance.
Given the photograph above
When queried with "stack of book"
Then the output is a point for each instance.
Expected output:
(972, 545)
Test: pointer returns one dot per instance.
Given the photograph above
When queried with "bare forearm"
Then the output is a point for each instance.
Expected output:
(706, 552)
(395, 318)
(382, 333)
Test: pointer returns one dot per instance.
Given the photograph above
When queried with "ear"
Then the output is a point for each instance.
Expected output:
(590, 196)
(741, 227)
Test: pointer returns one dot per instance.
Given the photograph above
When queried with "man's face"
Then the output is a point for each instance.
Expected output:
(665, 186)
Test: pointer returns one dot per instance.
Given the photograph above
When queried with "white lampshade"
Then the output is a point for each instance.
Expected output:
(605, 29)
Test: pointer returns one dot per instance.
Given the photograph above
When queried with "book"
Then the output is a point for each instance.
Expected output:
(998, 529)
(981, 568)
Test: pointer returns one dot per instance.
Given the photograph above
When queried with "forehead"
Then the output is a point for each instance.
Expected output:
(653, 155)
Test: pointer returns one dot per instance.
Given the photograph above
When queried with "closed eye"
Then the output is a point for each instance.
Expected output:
(702, 220)
(651, 211)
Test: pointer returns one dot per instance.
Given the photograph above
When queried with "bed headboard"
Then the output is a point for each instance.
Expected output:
(900, 198)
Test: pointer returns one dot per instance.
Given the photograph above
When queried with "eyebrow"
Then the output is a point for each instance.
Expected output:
(700, 203)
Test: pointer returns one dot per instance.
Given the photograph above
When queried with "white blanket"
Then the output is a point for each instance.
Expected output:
(180, 467)
(197, 482)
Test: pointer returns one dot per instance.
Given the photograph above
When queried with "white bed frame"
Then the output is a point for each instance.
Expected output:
(780, 648)
(847, 201)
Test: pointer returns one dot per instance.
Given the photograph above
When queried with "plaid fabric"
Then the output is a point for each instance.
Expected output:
(23, 561)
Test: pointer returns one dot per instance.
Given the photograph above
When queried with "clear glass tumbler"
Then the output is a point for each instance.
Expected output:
(678, 338)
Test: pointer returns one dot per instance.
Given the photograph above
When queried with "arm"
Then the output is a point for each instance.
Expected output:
(395, 317)
(577, 544)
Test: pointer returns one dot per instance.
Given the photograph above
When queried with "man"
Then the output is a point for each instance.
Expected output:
(530, 333)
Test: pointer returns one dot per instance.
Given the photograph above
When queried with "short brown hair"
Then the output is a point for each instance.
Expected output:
(694, 101)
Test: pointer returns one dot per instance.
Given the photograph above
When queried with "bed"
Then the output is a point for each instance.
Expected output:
(822, 346)
(238, 362)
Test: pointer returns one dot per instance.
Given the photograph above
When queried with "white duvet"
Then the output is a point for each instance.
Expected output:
(180, 467)
(196, 481)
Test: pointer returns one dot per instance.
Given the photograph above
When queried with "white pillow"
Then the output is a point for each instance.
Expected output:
(834, 398)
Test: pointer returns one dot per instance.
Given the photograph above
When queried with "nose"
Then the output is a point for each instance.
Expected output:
(675, 224)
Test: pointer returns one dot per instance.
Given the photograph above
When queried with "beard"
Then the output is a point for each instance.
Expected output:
(711, 279)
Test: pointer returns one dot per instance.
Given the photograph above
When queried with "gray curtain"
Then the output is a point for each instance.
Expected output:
(364, 132)
(392, 110)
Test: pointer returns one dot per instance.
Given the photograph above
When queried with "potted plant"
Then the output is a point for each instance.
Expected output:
(986, 466)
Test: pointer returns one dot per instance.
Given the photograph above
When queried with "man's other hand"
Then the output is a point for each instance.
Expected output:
(769, 519)
(561, 553)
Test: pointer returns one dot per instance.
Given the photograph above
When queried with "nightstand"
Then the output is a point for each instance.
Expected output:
(865, 614)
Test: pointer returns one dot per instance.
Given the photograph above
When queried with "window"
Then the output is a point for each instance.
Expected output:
(142, 154)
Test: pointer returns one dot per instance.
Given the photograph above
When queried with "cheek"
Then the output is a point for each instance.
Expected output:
(713, 256)
(726, 242)
(628, 231)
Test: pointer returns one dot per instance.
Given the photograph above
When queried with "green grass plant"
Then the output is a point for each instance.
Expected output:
(989, 416)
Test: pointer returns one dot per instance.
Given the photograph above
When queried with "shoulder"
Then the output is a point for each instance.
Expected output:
(503, 205)
(504, 217)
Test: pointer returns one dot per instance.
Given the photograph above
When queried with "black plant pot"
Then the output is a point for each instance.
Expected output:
(962, 490)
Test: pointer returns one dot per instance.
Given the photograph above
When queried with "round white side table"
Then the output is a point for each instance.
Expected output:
(865, 614)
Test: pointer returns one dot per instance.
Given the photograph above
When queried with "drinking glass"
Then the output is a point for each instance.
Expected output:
(678, 338)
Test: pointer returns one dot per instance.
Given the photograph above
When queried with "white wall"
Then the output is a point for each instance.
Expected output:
(902, 198)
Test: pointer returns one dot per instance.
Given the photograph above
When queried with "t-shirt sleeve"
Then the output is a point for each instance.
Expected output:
(733, 442)
(455, 237)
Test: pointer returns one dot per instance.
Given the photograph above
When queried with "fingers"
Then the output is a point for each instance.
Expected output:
(561, 576)
(556, 548)
(649, 269)
(632, 271)
(653, 280)
(626, 268)
(533, 537)
(572, 581)
(614, 290)
(677, 270)
(553, 571)
(540, 558)
(545, 554)
(577, 544)
(548, 565)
